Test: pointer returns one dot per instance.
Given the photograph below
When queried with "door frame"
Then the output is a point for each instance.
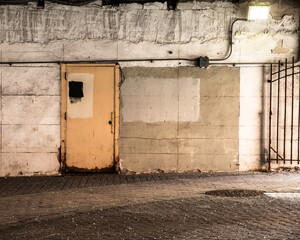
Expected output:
(63, 134)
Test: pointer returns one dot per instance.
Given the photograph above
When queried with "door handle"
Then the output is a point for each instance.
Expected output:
(111, 122)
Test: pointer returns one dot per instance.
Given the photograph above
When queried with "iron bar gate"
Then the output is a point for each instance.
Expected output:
(284, 132)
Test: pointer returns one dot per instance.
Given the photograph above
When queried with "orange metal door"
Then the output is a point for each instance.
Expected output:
(89, 118)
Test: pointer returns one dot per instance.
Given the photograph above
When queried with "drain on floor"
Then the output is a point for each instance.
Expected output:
(234, 193)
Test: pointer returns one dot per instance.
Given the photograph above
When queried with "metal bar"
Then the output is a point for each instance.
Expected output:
(298, 118)
(276, 154)
(292, 110)
(100, 61)
(294, 160)
(274, 73)
(116, 61)
(284, 130)
(270, 120)
(278, 101)
(230, 40)
(288, 75)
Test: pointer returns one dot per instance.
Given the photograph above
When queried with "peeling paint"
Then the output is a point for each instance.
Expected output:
(21, 24)
(94, 32)
(279, 48)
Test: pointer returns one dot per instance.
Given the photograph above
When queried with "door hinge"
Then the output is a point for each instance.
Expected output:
(66, 74)
(65, 115)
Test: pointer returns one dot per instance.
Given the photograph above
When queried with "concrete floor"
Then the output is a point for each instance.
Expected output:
(150, 206)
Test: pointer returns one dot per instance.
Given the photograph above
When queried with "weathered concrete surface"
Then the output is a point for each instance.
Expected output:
(57, 22)
(154, 141)
(137, 31)
(30, 138)
(30, 130)
(21, 163)
(30, 109)
(25, 80)
(153, 96)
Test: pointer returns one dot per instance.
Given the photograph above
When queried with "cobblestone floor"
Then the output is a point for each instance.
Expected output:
(150, 206)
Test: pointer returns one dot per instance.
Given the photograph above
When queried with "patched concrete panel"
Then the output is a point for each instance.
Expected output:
(149, 96)
(204, 132)
(217, 81)
(219, 110)
(149, 109)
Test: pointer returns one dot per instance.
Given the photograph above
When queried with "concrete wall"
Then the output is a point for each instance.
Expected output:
(30, 119)
(173, 116)
(180, 119)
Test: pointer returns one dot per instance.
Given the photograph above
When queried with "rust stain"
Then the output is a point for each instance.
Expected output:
(116, 163)
(59, 159)
(69, 169)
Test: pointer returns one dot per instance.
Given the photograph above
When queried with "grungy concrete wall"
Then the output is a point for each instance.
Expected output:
(180, 119)
(174, 116)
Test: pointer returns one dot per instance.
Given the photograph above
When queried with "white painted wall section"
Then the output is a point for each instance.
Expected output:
(252, 128)
(159, 100)
(83, 107)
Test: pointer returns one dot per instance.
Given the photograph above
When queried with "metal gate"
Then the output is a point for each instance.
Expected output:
(284, 114)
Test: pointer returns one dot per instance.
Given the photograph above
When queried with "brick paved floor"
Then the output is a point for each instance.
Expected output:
(150, 206)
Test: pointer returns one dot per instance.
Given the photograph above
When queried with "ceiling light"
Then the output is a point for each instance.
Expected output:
(258, 12)
(40, 4)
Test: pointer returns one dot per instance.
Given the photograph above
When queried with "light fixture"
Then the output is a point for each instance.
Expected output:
(40, 4)
(254, 13)
(258, 12)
